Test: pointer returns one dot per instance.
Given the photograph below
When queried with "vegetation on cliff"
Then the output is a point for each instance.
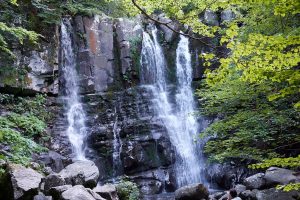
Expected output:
(22, 125)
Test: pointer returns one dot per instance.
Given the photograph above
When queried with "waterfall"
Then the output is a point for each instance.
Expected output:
(192, 164)
(117, 147)
(75, 114)
(175, 111)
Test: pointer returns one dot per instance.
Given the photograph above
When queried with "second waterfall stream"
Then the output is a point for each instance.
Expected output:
(175, 110)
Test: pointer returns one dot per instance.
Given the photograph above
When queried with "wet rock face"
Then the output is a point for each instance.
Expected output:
(226, 175)
(169, 35)
(104, 49)
(129, 37)
(145, 146)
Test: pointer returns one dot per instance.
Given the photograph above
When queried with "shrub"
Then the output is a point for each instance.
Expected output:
(28, 124)
(20, 148)
(127, 190)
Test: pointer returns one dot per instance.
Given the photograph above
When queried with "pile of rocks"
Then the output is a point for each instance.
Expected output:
(262, 186)
(76, 181)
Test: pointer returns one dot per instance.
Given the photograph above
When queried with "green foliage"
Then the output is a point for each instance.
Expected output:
(28, 124)
(22, 20)
(254, 93)
(26, 105)
(135, 47)
(25, 120)
(14, 76)
(127, 190)
(21, 148)
(291, 162)
(289, 187)
(18, 33)
(249, 126)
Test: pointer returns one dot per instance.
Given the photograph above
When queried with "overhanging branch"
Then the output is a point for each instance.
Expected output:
(167, 24)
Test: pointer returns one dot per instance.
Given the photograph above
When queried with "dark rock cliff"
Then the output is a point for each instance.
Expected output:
(107, 55)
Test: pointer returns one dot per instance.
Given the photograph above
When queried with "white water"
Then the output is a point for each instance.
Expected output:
(181, 125)
(192, 164)
(117, 148)
(75, 113)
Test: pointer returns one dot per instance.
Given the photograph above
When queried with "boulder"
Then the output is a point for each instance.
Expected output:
(53, 160)
(81, 172)
(53, 180)
(239, 188)
(192, 192)
(24, 181)
(255, 181)
(249, 194)
(41, 196)
(227, 174)
(56, 192)
(108, 191)
(78, 192)
(273, 194)
(275, 176)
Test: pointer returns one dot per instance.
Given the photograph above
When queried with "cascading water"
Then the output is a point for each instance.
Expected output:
(76, 117)
(180, 124)
(117, 148)
(192, 164)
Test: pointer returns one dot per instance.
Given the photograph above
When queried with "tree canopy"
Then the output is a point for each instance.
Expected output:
(254, 92)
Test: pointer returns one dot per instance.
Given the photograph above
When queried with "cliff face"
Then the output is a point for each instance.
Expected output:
(125, 138)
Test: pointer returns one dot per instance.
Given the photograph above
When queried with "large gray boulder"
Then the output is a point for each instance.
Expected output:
(192, 192)
(273, 194)
(255, 181)
(24, 181)
(53, 180)
(108, 191)
(56, 192)
(239, 188)
(53, 160)
(275, 176)
(81, 173)
(78, 192)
